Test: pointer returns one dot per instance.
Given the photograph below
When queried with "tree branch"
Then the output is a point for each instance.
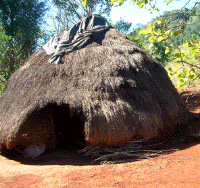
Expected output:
(74, 10)
(190, 64)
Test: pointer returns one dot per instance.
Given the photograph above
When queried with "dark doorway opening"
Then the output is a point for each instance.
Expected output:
(68, 128)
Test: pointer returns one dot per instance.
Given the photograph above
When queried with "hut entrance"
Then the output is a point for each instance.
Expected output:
(54, 127)
(68, 128)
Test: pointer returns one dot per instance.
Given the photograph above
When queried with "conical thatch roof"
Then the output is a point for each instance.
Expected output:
(121, 91)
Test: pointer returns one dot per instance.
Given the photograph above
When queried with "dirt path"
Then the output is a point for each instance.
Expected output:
(178, 169)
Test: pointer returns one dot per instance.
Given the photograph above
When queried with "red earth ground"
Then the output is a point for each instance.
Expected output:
(177, 169)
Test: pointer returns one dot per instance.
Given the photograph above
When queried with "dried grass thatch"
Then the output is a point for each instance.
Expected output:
(121, 91)
(134, 150)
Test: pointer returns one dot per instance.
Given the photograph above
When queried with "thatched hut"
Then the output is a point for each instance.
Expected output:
(107, 92)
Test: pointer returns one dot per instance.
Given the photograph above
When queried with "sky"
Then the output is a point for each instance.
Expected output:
(133, 14)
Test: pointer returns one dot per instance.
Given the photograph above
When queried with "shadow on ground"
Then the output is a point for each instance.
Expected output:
(121, 154)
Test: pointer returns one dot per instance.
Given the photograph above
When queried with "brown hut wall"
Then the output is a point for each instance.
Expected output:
(121, 90)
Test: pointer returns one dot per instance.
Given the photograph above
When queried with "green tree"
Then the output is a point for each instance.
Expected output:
(69, 12)
(123, 25)
(138, 39)
(20, 22)
(139, 3)
(4, 48)
(156, 44)
(180, 35)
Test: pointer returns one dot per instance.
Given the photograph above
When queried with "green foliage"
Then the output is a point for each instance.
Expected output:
(138, 39)
(174, 38)
(123, 25)
(20, 22)
(139, 3)
(4, 47)
(21, 18)
(84, 2)
(187, 63)
(157, 46)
